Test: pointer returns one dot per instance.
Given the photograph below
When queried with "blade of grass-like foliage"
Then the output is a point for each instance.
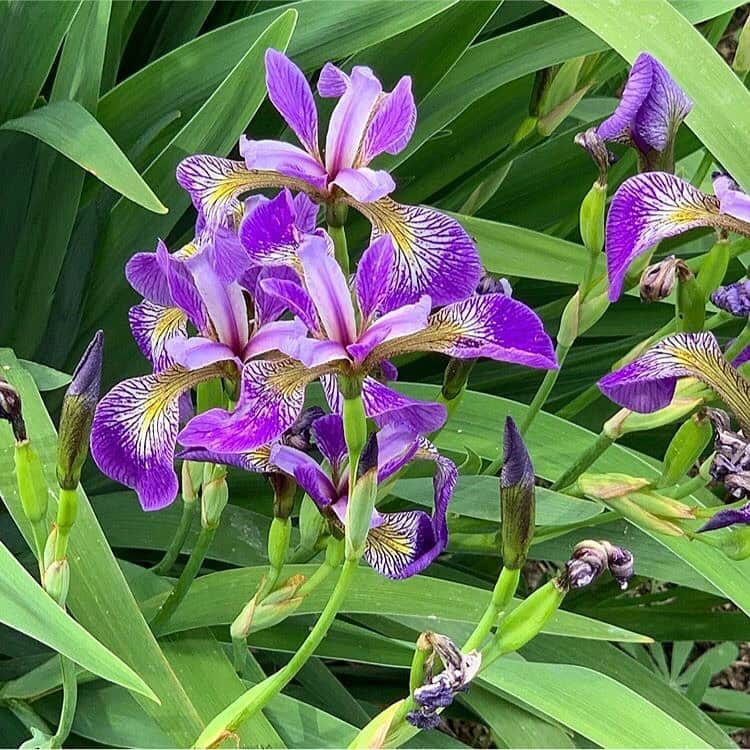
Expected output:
(46, 378)
(217, 598)
(30, 36)
(213, 129)
(721, 113)
(99, 597)
(180, 24)
(554, 444)
(75, 133)
(26, 607)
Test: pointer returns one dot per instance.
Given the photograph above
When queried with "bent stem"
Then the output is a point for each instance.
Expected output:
(249, 703)
(542, 394)
(602, 442)
(178, 541)
(189, 572)
(70, 700)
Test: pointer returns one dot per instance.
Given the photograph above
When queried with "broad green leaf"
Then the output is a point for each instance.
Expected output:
(26, 607)
(30, 36)
(217, 598)
(45, 378)
(721, 112)
(75, 133)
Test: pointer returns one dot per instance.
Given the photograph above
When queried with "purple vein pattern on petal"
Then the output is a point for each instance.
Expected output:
(290, 93)
(373, 276)
(648, 208)
(306, 471)
(328, 432)
(268, 233)
(332, 81)
(254, 461)
(648, 383)
(306, 211)
(269, 307)
(145, 274)
(397, 445)
(434, 254)
(617, 126)
(388, 407)
(153, 328)
(393, 124)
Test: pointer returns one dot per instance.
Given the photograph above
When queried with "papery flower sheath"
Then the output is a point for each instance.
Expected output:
(650, 111)
(399, 544)
(435, 255)
(355, 341)
(651, 207)
(649, 382)
(135, 426)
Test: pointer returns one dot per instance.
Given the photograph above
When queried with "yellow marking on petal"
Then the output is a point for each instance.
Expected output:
(169, 322)
(389, 217)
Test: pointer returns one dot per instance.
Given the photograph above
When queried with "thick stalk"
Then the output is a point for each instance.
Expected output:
(70, 700)
(178, 541)
(340, 247)
(584, 461)
(249, 703)
(542, 394)
(185, 581)
(507, 583)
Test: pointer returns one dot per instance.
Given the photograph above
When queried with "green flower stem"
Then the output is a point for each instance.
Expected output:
(189, 572)
(178, 541)
(67, 509)
(341, 250)
(25, 713)
(249, 703)
(739, 343)
(584, 461)
(70, 700)
(507, 583)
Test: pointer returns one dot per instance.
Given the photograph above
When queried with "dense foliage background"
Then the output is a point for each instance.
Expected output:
(101, 100)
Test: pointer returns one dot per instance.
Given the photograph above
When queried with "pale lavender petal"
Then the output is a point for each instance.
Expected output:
(489, 325)
(284, 158)
(329, 291)
(269, 307)
(303, 467)
(228, 257)
(648, 383)
(275, 336)
(389, 407)
(328, 432)
(364, 184)
(134, 432)
(197, 352)
(332, 81)
(225, 302)
(732, 200)
(290, 93)
(350, 118)
(617, 126)
(401, 322)
(145, 274)
(272, 396)
(294, 297)
(306, 211)
(662, 111)
(255, 461)
(728, 517)
(396, 447)
(153, 327)
(393, 123)
(313, 352)
(646, 209)
(434, 254)
(182, 289)
(373, 276)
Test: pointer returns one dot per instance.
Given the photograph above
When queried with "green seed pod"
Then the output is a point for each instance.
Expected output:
(455, 377)
(685, 449)
(714, 267)
(526, 621)
(57, 581)
(362, 500)
(311, 524)
(278, 541)
(591, 217)
(32, 486)
(691, 304)
(591, 310)
(569, 322)
(214, 498)
(355, 423)
(661, 506)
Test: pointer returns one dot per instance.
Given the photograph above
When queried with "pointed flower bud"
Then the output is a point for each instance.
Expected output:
(591, 558)
(734, 298)
(439, 690)
(591, 217)
(517, 498)
(32, 486)
(685, 449)
(10, 409)
(78, 413)
(278, 542)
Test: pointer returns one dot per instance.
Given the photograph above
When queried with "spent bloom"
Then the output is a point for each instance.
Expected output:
(398, 544)
(435, 255)
(591, 558)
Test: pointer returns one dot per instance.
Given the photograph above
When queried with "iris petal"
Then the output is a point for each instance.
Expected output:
(153, 327)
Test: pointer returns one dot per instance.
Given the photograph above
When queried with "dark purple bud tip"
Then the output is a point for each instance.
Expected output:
(423, 719)
(734, 298)
(489, 284)
(11, 410)
(728, 517)
(298, 435)
(621, 564)
(517, 467)
(436, 694)
(87, 377)
(368, 461)
(591, 558)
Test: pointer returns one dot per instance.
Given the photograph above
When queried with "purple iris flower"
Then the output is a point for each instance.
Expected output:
(651, 207)
(136, 424)
(650, 111)
(435, 255)
(355, 340)
(399, 544)
(734, 298)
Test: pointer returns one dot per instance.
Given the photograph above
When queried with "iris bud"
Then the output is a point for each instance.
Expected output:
(277, 606)
(362, 500)
(192, 479)
(741, 62)
(561, 91)
(11, 411)
(685, 449)
(278, 541)
(32, 486)
(78, 413)
(311, 524)
(517, 498)
(591, 217)
(284, 492)
(353, 415)
(57, 581)
(215, 496)
(691, 304)
(591, 558)
(570, 321)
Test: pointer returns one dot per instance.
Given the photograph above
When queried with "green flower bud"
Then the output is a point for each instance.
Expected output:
(517, 498)
(278, 541)
(741, 62)
(258, 615)
(32, 486)
(455, 377)
(591, 310)
(311, 524)
(78, 413)
(591, 217)
(214, 498)
(57, 581)
(355, 421)
(685, 449)
(569, 322)
(362, 500)
(192, 479)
